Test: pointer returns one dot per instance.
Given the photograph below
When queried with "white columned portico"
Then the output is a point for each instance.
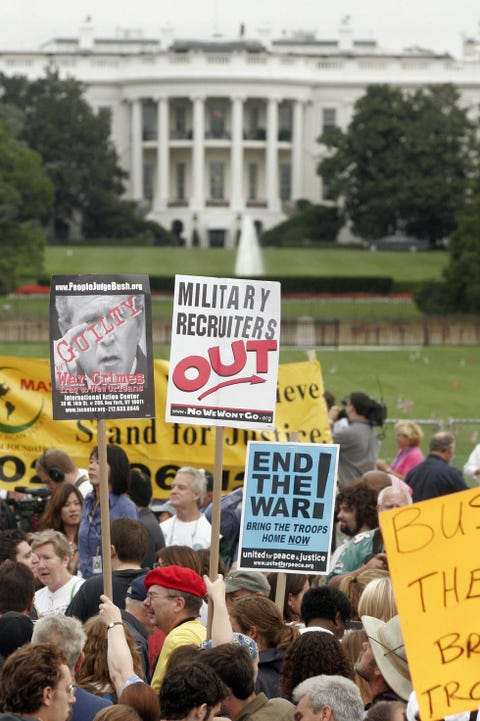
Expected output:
(137, 153)
(273, 201)
(297, 164)
(198, 171)
(237, 202)
(162, 187)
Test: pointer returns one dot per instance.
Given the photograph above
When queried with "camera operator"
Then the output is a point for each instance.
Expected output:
(359, 445)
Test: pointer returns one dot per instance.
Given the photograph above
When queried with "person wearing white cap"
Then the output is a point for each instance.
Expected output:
(383, 661)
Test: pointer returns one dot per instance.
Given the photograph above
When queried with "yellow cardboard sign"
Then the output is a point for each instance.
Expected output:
(432, 550)
(153, 445)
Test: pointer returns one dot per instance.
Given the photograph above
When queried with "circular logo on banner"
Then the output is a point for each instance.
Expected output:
(21, 400)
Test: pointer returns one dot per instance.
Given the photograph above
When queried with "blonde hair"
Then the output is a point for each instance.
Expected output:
(411, 430)
(378, 600)
(352, 645)
(60, 544)
(353, 586)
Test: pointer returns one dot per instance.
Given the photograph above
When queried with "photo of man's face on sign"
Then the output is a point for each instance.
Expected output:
(101, 335)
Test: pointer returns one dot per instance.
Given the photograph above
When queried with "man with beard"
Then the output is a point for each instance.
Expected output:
(356, 512)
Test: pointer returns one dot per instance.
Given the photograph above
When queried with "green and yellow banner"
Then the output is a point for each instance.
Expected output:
(155, 446)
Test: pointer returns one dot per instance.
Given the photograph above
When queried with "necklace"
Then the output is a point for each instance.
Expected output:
(172, 530)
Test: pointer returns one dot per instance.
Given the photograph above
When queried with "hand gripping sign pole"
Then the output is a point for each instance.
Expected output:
(101, 365)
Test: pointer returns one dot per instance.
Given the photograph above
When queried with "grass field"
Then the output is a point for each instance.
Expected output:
(221, 262)
(431, 384)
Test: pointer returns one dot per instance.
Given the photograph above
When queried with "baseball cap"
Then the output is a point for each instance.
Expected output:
(136, 591)
(253, 581)
(178, 579)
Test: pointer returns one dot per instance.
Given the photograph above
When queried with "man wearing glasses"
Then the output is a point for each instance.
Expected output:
(173, 602)
(36, 682)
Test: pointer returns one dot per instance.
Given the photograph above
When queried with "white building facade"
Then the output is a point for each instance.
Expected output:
(209, 131)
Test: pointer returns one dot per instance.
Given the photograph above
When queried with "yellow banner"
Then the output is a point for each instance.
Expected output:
(159, 448)
(436, 576)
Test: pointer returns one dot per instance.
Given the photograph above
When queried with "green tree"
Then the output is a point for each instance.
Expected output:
(25, 196)
(404, 163)
(78, 157)
(309, 224)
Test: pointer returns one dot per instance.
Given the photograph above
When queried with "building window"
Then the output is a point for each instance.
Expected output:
(285, 181)
(181, 181)
(217, 181)
(252, 181)
(217, 121)
(329, 120)
(180, 121)
(285, 122)
(148, 176)
(149, 116)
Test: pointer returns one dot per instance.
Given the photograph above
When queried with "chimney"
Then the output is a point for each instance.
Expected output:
(86, 39)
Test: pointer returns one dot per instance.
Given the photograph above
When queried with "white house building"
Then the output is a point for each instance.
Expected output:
(211, 130)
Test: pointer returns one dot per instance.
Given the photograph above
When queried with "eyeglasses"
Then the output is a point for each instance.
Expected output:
(72, 690)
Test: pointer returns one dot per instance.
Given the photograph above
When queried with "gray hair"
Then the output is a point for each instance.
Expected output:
(341, 694)
(441, 442)
(59, 542)
(64, 631)
(393, 490)
(199, 482)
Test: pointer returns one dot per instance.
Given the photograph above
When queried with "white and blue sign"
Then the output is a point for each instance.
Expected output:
(288, 507)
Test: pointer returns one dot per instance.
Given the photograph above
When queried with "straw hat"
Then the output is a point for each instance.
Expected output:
(388, 648)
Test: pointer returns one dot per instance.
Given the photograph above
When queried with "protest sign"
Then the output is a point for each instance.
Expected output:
(153, 446)
(287, 513)
(224, 352)
(431, 549)
(101, 354)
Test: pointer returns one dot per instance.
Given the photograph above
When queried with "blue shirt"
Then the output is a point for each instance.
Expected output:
(90, 531)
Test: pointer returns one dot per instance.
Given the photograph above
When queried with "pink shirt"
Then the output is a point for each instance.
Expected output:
(407, 459)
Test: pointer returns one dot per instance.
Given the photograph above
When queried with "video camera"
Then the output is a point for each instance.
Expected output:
(377, 415)
(28, 511)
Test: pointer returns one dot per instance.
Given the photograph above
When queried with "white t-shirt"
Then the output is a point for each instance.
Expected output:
(196, 534)
(50, 603)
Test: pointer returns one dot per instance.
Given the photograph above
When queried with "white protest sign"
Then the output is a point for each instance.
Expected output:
(224, 352)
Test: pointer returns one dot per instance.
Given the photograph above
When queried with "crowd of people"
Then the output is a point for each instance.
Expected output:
(331, 649)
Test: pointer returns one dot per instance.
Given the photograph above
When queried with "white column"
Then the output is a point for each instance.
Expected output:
(237, 201)
(297, 169)
(273, 201)
(162, 191)
(198, 171)
(137, 150)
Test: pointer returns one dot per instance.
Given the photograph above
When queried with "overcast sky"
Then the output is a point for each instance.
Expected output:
(395, 24)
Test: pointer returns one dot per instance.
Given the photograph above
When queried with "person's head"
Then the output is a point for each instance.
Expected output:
(243, 584)
(408, 434)
(36, 681)
(329, 399)
(174, 555)
(66, 632)
(328, 698)
(356, 509)
(204, 556)
(173, 594)
(143, 698)
(387, 711)
(17, 587)
(109, 331)
(352, 644)
(199, 690)
(189, 488)
(129, 538)
(140, 488)
(136, 595)
(117, 712)
(15, 630)
(376, 480)
(352, 586)
(234, 665)
(393, 497)
(118, 467)
(209, 488)
(296, 586)
(384, 656)
(443, 444)
(313, 653)
(259, 618)
(358, 405)
(378, 599)
(327, 607)
(14, 546)
(54, 556)
(55, 467)
(94, 667)
(64, 509)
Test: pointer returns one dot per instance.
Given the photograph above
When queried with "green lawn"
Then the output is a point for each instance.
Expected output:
(220, 262)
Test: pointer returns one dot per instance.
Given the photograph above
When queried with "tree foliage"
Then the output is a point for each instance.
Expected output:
(404, 164)
(25, 196)
(310, 223)
(78, 156)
